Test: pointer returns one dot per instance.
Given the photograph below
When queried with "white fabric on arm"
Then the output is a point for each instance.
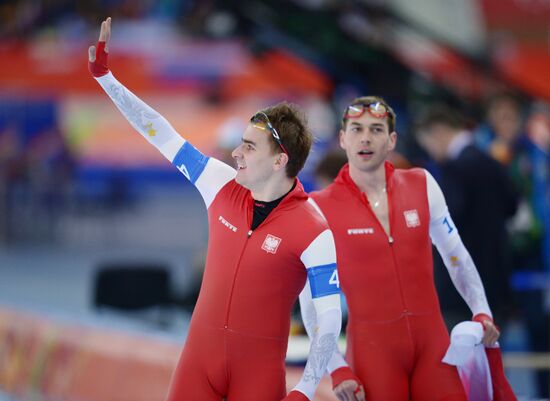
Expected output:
(309, 318)
(321, 298)
(148, 122)
(158, 132)
(215, 175)
(436, 200)
(324, 335)
(456, 257)
(319, 258)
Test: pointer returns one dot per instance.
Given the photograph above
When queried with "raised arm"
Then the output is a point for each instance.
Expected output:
(458, 261)
(207, 174)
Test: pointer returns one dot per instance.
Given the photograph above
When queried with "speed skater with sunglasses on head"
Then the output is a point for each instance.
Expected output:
(384, 222)
(267, 244)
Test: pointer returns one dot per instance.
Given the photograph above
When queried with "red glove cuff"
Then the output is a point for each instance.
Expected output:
(481, 317)
(99, 67)
(296, 396)
(342, 374)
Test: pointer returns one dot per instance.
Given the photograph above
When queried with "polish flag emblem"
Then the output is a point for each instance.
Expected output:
(411, 218)
(271, 243)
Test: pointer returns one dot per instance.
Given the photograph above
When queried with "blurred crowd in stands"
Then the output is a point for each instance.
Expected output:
(20, 19)
(36, 172)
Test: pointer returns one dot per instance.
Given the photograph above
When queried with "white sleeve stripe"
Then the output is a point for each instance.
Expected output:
(326, 303)
(308, 309)
(316, 206)
(436, 200)
(321, 251)
(322, 349)
(465, 278)
(214, 177)
(147, 121)
(459, 264)
(444, 233)
(320, 267)
(171, 148)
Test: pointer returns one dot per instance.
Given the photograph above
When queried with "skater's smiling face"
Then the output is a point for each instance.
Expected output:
(256, 159)
(273, 150)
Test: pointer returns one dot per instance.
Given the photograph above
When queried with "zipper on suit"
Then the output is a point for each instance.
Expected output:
(226, 322)
(248, 235)
(391, 241)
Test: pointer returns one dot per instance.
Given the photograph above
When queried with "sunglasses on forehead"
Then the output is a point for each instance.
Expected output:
(377, 109)
(261, 121)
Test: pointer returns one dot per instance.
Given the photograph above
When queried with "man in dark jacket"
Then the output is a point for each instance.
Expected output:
(480, 197)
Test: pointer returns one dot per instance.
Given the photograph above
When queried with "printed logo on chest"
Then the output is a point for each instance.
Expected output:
(360, 231)
(227, 224)
(271, 243)
(411, 218)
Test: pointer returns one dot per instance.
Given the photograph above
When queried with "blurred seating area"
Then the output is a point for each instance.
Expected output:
(86, 204)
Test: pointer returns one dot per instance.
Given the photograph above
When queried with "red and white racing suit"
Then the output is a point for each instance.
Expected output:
(237, 340)
(396, 334)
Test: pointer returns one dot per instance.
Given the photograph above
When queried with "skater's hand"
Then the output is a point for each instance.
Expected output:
(491, 333)
(350, 390)
(346, 385)
(97, 57)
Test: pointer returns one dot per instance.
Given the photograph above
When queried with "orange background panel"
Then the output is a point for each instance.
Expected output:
(42, 359)
(527, 67)
(97, 132)
(59, 68)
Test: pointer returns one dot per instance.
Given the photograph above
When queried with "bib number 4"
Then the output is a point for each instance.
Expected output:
(334, 279)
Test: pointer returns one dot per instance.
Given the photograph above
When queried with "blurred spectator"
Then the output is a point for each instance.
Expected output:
(399, 160)
(480, 197)
(328, 167)
(228, 138)
(10, 167)
(524, 150)
(49, 169)
(323, 124)
(530, 170)
(530, 229)
(36, 171)
(500, 133)
(538, 132)
(24, 18)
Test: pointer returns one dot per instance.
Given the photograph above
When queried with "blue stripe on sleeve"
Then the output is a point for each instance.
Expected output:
(190, 161)
(323, 280)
